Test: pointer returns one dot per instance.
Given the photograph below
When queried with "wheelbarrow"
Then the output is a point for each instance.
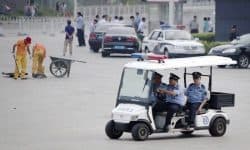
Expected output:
(59, 67)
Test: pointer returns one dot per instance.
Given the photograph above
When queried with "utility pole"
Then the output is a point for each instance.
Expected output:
(75, 8)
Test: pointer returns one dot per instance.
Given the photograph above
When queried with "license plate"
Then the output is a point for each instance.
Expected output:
(119, 47)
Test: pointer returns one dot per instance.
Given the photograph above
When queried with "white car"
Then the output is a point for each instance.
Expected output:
(173, 43)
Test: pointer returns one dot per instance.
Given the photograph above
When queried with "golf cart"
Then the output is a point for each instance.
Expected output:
(133, 111)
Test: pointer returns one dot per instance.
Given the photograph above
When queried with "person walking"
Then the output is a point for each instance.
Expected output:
(69, 30)
(233, 33)
(38, 55)
(21, 48)
(80, 29)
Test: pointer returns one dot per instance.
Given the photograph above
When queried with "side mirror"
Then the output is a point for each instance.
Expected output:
(159, 38)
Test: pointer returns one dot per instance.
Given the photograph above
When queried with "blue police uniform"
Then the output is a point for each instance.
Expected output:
(195, 95)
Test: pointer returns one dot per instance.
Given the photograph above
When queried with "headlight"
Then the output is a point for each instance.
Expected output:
(232, 50)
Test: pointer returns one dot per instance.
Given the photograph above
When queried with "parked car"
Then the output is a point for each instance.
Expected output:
(173, 43)
(238, 49)
(122, 40)
(96, 37)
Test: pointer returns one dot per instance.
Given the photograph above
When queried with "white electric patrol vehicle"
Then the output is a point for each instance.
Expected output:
(133, 111)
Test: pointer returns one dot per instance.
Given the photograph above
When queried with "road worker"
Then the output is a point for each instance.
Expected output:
(38, 54)
(21, 48)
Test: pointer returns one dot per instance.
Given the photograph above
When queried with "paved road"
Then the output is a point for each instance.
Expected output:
(71, 113)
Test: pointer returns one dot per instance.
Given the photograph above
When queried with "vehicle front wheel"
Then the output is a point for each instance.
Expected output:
(111, 132)
(140, 132)
(218, 127)
(243, 61)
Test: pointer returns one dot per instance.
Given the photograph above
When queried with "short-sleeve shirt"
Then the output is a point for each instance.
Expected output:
(70, 30)
(179, 98)
(21, 48)
(196, 93)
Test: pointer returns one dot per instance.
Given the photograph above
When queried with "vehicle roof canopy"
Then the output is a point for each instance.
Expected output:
(202, 61)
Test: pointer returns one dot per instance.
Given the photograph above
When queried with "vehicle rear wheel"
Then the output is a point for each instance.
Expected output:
(140, 132)
(187, 132)
(218, 127)
(243, 61)
(111, 132)
(105, 54)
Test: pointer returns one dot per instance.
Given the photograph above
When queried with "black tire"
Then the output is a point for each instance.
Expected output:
(111, 132)
(187, 133)
(243, 61)
(218, 127)
(140, 132)
(58, 68)
(105, 54)
(222, 66)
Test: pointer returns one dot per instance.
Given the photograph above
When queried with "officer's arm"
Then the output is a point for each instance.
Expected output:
(205, 99)
(14, 48)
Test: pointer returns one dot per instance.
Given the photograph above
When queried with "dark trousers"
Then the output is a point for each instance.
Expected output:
(192, 107)
(171, 109)
(80, 36)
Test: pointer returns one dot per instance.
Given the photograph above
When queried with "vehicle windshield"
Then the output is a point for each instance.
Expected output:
(121, 30)
(244, 39)
(135, 85)
(177, 35)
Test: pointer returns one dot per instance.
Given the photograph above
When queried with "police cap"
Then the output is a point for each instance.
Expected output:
(174, 77)
(158, 74)
(196, 75)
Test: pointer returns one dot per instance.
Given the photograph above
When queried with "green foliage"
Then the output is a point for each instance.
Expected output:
(208, 45)
(205, 36)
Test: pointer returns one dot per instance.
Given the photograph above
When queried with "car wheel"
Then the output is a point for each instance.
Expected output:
(105, 54)
(218, 127)
(187, 132)
(140, 132)
(111, 132)
(243, 61)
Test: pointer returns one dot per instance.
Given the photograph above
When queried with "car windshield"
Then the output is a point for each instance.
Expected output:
(244, 39)
(177, 35)
(135, 85)
(121, 30)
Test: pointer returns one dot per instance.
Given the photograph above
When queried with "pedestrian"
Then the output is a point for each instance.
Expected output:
(132, 21)
(141, 29)
(205, 25)
(80, 29)
(233, 33)
(93, 26)
(38, 55)
(21, 48)
(121, 21)
(116, 20)
(97, 17)
(137, 20)
(69, 30)
(210, 25)
(194, 26)
(103, 20)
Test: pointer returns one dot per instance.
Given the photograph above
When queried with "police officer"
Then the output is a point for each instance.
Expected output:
(196, 97)
(175, 99)
(157, 98)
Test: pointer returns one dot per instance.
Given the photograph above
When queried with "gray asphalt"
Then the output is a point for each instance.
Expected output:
(71, 113)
